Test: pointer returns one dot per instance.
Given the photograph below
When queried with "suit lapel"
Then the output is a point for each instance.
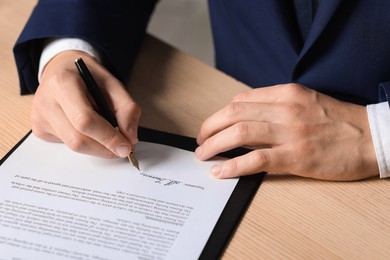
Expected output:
(325, 11)
(284, 19)
(283, 11)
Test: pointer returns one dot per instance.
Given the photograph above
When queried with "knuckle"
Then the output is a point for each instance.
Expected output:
(208, 144)
(231, 166)
(232, 109)
(39, 132)
(76, 144)
(109, 141)
(82, 121)
(38, 128)
(241, 96)
(134, 108)
(293, 88)
(242, 130)
(259, 157)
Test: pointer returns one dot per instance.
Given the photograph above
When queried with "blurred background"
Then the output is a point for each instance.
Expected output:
(184, 24)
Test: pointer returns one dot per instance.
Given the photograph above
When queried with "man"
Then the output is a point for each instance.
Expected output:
(313, 78)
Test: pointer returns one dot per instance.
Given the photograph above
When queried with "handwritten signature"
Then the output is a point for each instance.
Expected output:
(169, 182)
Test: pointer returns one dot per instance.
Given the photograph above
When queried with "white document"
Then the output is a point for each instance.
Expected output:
(58, 204)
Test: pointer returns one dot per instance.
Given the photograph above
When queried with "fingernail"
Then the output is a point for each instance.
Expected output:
(122, 151)
(198, 152)
(216, 170)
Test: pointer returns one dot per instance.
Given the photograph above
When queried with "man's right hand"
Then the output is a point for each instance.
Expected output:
(63, 111)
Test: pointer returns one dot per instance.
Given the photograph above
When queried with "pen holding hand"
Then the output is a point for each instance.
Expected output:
(100, 101)
(62, 110)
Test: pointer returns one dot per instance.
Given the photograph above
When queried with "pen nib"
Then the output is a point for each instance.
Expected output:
(133, 160)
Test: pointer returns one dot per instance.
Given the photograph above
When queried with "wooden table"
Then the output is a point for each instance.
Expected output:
(290, 217)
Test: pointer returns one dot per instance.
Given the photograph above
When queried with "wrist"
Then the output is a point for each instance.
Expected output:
(64, 61)
(54, 47)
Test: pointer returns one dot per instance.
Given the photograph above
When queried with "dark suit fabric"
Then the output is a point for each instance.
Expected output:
(345, 55)
(115, 27)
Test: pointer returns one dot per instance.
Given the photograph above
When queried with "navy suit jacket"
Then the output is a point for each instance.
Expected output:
(346, 54)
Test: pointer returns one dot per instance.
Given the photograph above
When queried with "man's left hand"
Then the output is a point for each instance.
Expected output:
(291, 129)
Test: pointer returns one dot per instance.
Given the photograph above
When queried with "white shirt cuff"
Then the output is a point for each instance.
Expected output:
(379, 120)
(55, 46)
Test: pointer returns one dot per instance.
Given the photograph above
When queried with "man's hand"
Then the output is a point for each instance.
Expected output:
(63, 111)
(292, 129)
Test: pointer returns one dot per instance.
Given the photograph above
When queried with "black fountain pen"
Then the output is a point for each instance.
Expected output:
(100, 101)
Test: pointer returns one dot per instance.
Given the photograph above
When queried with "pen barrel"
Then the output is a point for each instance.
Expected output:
(94, 91)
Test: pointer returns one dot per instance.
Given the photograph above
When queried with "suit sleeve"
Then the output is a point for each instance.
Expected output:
(115, 27)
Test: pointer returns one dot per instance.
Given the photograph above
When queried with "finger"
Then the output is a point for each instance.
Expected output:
(88, 122)
(262, 160)
(241, 134)
(125, 108)
(128, 116)
(73, 139)
(236, 112)
(231, 114)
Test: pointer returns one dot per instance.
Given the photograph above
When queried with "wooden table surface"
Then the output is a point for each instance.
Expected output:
(289, 218)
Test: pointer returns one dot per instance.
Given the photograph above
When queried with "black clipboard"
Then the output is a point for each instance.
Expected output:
(234, 209)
